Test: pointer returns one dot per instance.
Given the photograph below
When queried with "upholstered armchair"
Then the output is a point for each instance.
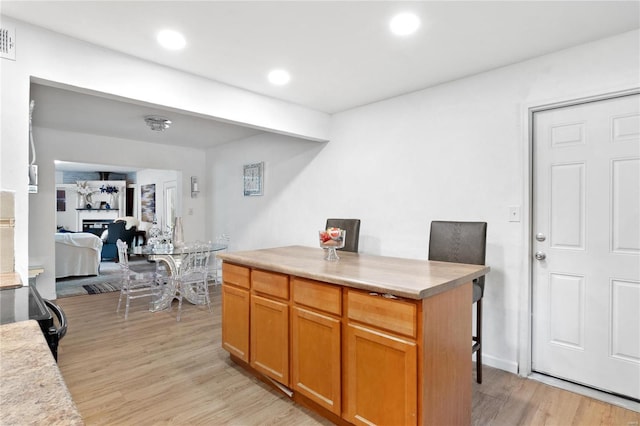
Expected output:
(116, 231)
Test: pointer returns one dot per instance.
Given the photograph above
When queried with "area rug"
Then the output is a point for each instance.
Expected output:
(102, 288)
(107, 281)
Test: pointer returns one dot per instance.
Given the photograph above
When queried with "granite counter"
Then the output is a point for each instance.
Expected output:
(32, 390)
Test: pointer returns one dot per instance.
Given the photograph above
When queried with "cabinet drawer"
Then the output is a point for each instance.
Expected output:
(236, 275)
(317, 295)
(398, 316)
(270, 283)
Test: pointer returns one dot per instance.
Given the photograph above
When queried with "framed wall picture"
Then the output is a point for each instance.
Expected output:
(61, 200)
(253, 179)
(148, 202)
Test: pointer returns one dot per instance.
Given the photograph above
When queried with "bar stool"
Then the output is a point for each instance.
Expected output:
(463, 242)
(352, 226)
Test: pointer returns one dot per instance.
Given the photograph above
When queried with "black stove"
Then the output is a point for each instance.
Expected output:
(25, 303)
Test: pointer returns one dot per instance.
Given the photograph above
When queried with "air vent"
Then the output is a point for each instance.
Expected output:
(8, 43)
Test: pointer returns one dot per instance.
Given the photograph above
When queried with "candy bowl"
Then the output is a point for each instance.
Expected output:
(330, 240)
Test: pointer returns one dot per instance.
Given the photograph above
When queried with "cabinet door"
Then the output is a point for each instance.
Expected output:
(316, 357)
(270, 338)
(235, 321)
(381, 378)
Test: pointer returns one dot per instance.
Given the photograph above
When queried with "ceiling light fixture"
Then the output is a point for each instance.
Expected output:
(404, 24)
(279, 77)
(172, 40)
(157, 123)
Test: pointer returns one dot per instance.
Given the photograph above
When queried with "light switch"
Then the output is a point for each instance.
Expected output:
(514, 213)
(190, 211)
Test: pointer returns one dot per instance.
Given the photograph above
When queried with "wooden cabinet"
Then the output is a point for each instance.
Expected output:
(315, 343)
(381, 360)
(350, 354)
(235, 310)
(270, 325)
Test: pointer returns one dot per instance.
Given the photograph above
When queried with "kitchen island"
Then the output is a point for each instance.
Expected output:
(364, 340)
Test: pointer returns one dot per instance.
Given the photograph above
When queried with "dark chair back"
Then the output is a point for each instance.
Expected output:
(352, 226)
(117, 232)
(459, 242)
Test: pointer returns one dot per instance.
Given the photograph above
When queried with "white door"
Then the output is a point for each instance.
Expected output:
(586, 221)
(170, 199)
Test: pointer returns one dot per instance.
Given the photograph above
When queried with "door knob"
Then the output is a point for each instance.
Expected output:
(540, 255)
(540, 236)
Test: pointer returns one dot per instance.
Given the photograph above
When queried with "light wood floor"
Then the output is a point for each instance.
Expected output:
(153, 370)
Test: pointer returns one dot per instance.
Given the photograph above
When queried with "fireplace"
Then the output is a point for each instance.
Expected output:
(95, 226)
(95, 220)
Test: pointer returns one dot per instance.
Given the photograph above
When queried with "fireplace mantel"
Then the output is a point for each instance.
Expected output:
(98, 198)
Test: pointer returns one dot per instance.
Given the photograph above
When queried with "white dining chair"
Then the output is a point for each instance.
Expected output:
(192, 278)
(215, 264)
(134, 284)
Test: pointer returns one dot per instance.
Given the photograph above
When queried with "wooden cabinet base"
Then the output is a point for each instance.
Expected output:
(297, 397)
(354, 354)
(313, 406)
(446, 362)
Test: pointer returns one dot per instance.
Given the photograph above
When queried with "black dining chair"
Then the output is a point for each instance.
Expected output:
(352, 226)
(463, 242)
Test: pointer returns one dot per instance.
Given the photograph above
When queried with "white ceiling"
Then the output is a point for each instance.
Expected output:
(77, 112)
(340, 53)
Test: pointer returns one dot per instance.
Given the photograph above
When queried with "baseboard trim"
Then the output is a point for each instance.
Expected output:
(499, 363)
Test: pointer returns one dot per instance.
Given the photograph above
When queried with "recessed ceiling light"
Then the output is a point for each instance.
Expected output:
(404, 24)
(279, 77)
(171, 40)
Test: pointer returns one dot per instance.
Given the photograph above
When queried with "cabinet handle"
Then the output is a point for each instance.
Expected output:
(385, 295)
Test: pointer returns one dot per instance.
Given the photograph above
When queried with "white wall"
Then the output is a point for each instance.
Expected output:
(68, 218)
(54, 145)
(456, 151)
(160, 178)
(282, 215)
(51, 58)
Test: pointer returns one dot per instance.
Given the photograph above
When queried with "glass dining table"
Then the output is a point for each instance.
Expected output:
(173, 258)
